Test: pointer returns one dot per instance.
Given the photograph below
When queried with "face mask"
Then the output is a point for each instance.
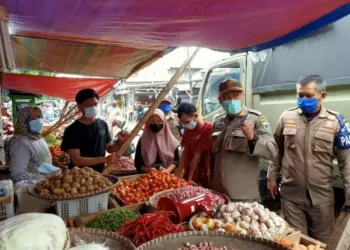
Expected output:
(91, 112)
(192, 125)
(232, 107)
(165, 107)
(36, 125)
(307, 105)
(156, 127)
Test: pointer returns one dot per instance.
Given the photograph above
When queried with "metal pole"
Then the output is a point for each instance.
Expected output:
(190, 76)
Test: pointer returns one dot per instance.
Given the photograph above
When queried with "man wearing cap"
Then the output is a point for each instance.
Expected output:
(172, 119)
(240, 137)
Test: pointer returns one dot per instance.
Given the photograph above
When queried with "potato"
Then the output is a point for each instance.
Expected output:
(65, 185)
(58, 177)
(75, 168)
(39, 188)
(90, 188)
(58, 186)
(89, 179)
(68, 189)
(96, 187)
(66, 172)
(74, 191)
(59, 191)
(81, 171)
(82, 189)
(88, 184)
(82, 181)
(75, 184)
(90, 170)
(67, 179)
(85, 175)
(44, 192)
(57, 182)
(45, 184)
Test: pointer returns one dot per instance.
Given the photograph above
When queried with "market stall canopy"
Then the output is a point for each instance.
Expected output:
(61, 87)
(116, 38)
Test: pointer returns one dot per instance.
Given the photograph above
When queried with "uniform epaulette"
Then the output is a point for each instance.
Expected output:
(295, 108)
(333, 112)
(221, 116)
(255, 112)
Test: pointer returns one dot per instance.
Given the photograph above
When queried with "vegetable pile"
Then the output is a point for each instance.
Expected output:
(59, 158)
(182, 194)
(143, 188)
(111, 221)
(296, 246)
(148, 227)
(52, 140)
(125, 163)
(202, 246)
(73, 182)
(246, 218)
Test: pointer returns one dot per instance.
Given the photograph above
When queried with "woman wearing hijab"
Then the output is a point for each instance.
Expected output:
(157, 149)
(26, 151)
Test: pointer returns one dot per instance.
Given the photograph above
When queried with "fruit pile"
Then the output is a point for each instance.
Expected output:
(124, 163)
(146, 185)
(55, 151)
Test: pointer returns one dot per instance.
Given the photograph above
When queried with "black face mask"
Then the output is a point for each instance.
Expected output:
(156, 127)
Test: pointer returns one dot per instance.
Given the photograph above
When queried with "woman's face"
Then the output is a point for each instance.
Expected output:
(155, 119)
(34, 115)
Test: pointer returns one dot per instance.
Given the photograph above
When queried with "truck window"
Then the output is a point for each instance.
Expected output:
(211, 87)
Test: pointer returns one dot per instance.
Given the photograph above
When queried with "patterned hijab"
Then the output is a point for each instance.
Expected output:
(22, 125)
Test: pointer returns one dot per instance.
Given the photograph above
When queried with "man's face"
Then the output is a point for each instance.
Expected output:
(186, 119)
(310, 91)
(232, 95)
(89, 103)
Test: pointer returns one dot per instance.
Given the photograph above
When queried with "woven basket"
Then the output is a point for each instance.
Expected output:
(152, 199)
(190, 225)
(33, 191)
(109, 239)
(219, 239)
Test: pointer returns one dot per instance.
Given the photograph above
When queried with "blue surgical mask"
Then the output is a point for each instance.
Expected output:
(35, 126)
(232, 107)
(192, 125)
(307, 105)
(91, 112)
(165, 107)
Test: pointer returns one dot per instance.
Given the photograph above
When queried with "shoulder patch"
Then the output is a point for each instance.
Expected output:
(342, 139)
(265, 123)
(258, 113)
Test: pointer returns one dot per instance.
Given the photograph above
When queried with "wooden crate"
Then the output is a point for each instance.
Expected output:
(81, 221)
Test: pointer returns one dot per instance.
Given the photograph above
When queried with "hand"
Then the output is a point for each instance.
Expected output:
(272, 186)
(122, 136)
(179, 172)
(248, 129)
(112, 159)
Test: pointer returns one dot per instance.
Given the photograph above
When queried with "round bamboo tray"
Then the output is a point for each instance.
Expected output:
(33, 191)
(111, 240)
(152, 199)
(219, 239)
(286, 231)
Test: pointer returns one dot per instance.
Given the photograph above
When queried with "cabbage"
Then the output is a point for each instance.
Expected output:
(29, 231)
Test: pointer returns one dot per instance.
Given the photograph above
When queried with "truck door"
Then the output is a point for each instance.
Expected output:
(208, 104)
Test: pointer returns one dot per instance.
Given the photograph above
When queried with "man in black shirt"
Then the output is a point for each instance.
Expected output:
(87, 139)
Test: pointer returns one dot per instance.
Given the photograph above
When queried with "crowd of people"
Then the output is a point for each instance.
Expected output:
(223, 155)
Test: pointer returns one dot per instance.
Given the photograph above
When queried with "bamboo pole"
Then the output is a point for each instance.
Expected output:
(151, 110)
(64, 110)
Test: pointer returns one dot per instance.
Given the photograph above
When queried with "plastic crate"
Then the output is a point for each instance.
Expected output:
(7, 208)
(71, 208)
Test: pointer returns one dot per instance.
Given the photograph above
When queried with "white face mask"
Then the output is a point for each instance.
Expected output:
(192, 125)
(91, 112)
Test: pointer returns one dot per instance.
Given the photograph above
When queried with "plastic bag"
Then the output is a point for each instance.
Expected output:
(46, 169)
(80, 244)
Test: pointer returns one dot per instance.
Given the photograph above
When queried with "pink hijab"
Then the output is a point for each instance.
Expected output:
(162, 143)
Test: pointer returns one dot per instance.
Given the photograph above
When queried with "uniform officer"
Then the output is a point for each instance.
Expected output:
(309, 137)
(172, 119)
(240, 137)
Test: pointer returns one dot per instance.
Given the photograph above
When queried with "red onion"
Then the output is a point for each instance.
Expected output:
(125, 163)
(181, 194)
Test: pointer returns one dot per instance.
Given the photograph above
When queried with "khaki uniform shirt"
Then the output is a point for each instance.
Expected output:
(306, 154)
(236, 170)
(174, 125)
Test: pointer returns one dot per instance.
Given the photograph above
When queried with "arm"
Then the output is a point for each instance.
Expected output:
(19, 160)
(139, 164)
(175, 164)
(265, 145)
(113, 148)
(180, 169)
(194, 164)
(276, 164)
(80, 161)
